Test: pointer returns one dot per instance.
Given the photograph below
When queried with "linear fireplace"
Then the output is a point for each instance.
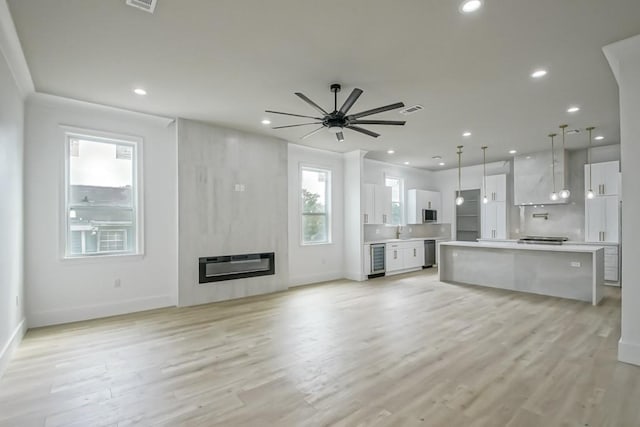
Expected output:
(229, 267)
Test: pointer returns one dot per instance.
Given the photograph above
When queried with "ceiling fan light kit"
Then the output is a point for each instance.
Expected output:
(339, 119)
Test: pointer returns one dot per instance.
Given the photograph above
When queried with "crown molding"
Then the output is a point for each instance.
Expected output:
(11, 49)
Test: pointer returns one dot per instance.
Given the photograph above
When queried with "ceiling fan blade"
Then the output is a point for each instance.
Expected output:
(378, 122)
(310, 102)
(365, 131)
(312, 133)
(294, 115)
(340, 136)
(377, 110)
(351, 100)
(294, 126)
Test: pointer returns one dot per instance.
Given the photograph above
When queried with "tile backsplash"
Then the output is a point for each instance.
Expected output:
(380, 232)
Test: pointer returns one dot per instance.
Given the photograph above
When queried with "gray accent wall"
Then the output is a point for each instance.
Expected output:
(232, 199)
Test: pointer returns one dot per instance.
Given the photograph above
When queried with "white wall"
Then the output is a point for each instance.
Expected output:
(60, 290)
(11, 214)
(215, 219)
(471, 178)
(353, 228)
(315, 263)
(624, 58)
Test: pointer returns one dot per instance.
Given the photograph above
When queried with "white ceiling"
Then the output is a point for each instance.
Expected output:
(226, 61)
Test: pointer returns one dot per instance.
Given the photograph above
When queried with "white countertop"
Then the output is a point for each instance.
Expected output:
(525, 247)
(411, 239)
(568, 242)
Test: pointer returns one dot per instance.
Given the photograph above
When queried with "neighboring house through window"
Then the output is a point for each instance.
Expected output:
(102, 195)
(315, 198)
(397, 205)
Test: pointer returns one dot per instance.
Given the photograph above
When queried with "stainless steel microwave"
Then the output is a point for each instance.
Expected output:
(429, 215)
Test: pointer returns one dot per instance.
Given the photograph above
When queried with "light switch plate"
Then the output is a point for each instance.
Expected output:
(575, 264)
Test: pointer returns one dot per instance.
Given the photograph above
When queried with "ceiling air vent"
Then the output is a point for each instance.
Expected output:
(146, 5)
(411, 110)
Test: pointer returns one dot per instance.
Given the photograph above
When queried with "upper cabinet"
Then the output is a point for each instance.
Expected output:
(496, 190)
(605, 180)
(377, 204)
(417, 200)
(533, 178)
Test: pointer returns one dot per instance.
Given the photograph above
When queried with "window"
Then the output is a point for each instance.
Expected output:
(315, 185)
(102, 192)
(397, 207)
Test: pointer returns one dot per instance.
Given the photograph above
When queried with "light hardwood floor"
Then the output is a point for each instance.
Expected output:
(396, 351)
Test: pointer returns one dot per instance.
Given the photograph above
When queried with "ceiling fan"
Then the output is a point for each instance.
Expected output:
(338, 120)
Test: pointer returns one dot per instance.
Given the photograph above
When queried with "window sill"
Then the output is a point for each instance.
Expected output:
(316, 244)
(93, 259)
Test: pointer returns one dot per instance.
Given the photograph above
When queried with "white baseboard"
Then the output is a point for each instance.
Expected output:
(356, 276)
(314, 278)
(629, 352)
(76, 314)
(9, 347)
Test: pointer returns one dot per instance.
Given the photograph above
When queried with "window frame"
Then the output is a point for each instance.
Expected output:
(71, 132)
(403, 210)
(328, 205)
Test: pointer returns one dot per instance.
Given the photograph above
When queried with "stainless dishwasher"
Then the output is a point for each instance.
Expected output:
(378, 267)
(429, 253)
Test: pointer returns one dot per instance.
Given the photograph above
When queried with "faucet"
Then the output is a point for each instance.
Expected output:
(399, 231)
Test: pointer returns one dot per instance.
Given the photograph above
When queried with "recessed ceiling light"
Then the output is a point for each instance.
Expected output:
(139, 91)
(539, 73)
(573, 109)
(266, 122)
(468, 6)
(406, 163)
(466, 134)
(599, 138)
(436, 157)
(441, 163)
(390, 151)
(512, 151)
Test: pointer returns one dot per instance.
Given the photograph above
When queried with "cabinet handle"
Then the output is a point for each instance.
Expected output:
(395, 254)
(366, 218)
(604, 189)
(414, 252)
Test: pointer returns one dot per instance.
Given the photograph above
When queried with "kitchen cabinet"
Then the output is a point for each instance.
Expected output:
(403, 256)
(494, 212)
(496, 190)
(605, 179)
(494, 220)
(417, 200)
(377, 204)
(602, 218)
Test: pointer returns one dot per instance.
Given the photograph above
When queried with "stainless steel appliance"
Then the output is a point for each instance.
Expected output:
(543, 240)
(429, 215)
(429, 253)
(378, 266)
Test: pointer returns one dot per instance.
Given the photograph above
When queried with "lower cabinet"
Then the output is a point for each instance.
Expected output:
(402, 256)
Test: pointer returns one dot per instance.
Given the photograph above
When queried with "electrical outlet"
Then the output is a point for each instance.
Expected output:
(117, 283)
(455, 254)
(575, 264)
(377, 231)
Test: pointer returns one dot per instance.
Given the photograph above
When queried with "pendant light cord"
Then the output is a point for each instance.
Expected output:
(590, 129)
(484, 169)
(553, 161)
(459, 165)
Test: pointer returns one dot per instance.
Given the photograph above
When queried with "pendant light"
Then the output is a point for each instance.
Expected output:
(554, 195)
(590, 194)
(485, 199)
(459, 199)
(564, 193)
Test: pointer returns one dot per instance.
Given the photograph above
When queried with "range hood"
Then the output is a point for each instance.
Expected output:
(532, 177)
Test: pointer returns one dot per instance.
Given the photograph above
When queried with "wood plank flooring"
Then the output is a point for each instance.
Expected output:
(398, 351)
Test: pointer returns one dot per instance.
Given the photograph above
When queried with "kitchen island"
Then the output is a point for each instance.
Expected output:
(567, 271)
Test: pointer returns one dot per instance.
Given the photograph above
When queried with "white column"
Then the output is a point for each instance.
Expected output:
(624, 59)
